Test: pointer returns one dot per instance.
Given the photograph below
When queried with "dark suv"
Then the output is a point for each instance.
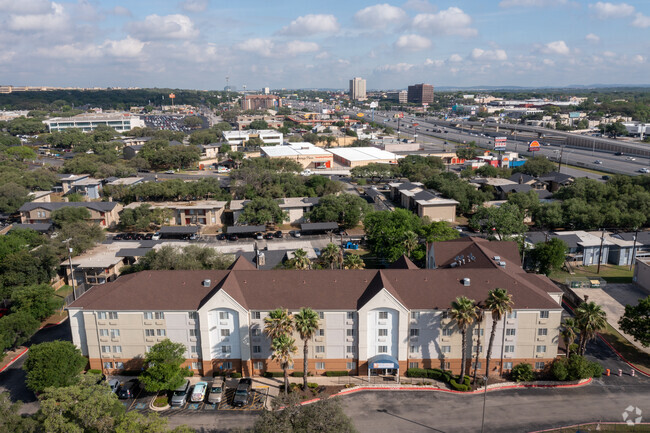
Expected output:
(129, 389)
(243, 392)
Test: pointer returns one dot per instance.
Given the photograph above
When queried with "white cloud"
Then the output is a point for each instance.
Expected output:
(419, 5)
(488, 55)
(323, 55)
(436, 63)
(548, 62)
(455, 58)
(452, 21)
(194, 5)
(379, 16)
(605, 11)
(592, 38)
(412, 42)
(556, 47)
(398, 67)
(609, 54)
(54, 19)
(638, 59)
(76, 51)
(641, 20)
(311, 24)
(300, 47)
(163, 27)
(531, 3)
(6, 55)
(26, 7)
(260, 46)
(128, 47)
(121, 11)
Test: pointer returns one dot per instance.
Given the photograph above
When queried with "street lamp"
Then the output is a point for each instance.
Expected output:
(485, 384)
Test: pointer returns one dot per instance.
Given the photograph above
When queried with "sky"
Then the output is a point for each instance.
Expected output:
(196, 44)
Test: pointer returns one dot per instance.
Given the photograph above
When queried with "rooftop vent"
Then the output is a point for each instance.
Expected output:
(466, 282)
(497, 258)
(502, 264)
(206, 283)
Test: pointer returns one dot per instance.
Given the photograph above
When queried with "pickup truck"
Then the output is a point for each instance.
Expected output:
(243, 392)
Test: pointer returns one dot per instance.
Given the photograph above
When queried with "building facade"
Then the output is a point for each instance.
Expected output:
(400, 314)
(181, 213)
(239, 138)
(260, 102)
(106, 214)
(420, 94)
(305, 154)
(358, 89)
(88, 122)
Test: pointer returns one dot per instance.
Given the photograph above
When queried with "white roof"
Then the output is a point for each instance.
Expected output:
(195, 204)
(363, 154)
(293, 149)
(586, 239)
(247, 132)
(126, 181)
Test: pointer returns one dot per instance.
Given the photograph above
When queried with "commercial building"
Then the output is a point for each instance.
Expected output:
(305, 154)
(360, 156)
(239, 138)
(422, 202)
(201, 212)
(420, 94)
(358, 89)
(88, 122)
(399, 315)
(399, 97)
(260, 102)
(106, 214)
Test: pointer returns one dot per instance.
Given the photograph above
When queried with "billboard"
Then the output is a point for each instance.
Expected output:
(500, 143)
(533, 146)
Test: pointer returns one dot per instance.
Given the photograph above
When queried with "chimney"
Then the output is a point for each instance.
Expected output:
(521, 179)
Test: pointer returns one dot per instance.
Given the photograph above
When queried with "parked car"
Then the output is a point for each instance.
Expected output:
(194, 237)
(296, 233)
(179, 395)
(631, 158)
(170, 172)
(198, 394)
(3, 311)
(268, 235)
(156, 236)
(259, 236)
(243, 392)
(221, 237)
(278, 234)
(118, 237)
(233, 238)
(129, 390)
(216, 390)
(114, 385)
(598, 161)
(148, 236)
(644, 170)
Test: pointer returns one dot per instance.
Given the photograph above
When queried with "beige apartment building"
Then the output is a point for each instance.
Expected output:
(106, 214)
(202, 212)
(371, 321)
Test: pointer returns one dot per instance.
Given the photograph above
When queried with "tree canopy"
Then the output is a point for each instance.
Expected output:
(346, 209)
(163, 366)
(549, 256)
(53, 364)
(636, 321)
(192, 257)
(262, 210)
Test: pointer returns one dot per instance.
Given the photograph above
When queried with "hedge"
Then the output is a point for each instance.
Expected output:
(274, 374)
(297, 374)
(337, 373)
(441, 375)
(235, 375)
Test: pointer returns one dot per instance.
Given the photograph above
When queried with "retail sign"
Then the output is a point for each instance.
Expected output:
(533, 146)
(500, 143)
(383, 365)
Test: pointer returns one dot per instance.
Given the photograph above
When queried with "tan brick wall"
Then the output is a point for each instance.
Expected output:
(495, 364)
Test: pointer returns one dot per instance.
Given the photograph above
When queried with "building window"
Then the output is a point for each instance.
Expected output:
(543, 314)
(540, 349)
(415, 315)
(350, 315)
(539, 365)
(149, 332)
(447, 332)
(112, 315)
(414, 332)
(512, 315)
(225, 332)
(103, 332)
(257, 332)
(320, 332)
(193, 315)
(349, 332)
(542, 331)
(320, 349)
(258, 365)
(350, 365)
(195, 366)
(476, 366)
(108, 365)
(447, 365)
(320, 366)
(414, 349)
(161, 332)
(510, 332)
(117, 349)
(446, 349)
(507, 365)
(321, 315)
(148, 315)
(349, 349)
(383, 315)
(445, 314)
(382, 332)
(106, 349)
(226, 349)
(192, 332)
(147, 349)
(227, 365)
(119, 365)
(509, 349)
(194, 349)
(223, 315)
(382, 349)
(256, 315)
(478, 349)
(414, 365)
(257, 349)
(159, 315)
(477, 331)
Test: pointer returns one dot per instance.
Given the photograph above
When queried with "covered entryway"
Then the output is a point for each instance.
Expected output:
(383, 365)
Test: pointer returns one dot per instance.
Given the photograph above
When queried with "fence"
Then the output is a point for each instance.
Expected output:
(79, 290)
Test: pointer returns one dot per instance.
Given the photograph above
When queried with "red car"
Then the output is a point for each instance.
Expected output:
(3, 311)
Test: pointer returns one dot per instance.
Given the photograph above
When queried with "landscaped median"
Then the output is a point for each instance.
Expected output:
(159, 402)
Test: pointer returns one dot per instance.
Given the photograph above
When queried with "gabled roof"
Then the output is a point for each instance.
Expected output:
(241, 264)
(100, 206)
(378, 283)
(403, 263)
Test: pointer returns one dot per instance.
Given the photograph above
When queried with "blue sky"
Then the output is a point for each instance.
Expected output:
(308, 44)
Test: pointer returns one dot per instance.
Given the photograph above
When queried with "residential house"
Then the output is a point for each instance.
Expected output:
(584, 249)
(296, 207)
(202, 212)
(89, 188)
(106, 214)
(422, 202)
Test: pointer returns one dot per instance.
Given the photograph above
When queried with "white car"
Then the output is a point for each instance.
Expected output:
(155, 237)
(598, 161)
(644, 170)
(631, 158)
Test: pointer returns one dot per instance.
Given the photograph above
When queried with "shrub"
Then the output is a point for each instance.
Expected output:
(235, 375)
(312, 385)
(416, 372)
(579, 367)
(160, 401)
(459, 386)
(297, 374)
(274, 374)
(435, 373)
(596, 369)
(559, 369)
(522, 372)
(337, 373)
(94, 371)
(362, 181)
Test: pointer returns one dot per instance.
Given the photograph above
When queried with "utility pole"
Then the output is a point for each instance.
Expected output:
(600, 252)
(74, 286)
(636, 234)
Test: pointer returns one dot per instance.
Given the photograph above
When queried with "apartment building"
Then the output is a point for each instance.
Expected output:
(260, 102)
(398, 315)
(202, 212)
(239, 138)
(295, 207)
(106, 214)
(422, 202)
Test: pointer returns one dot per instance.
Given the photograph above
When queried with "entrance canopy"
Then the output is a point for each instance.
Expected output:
(383, 361)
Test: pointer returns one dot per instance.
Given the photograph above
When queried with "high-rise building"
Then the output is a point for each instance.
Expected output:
(260, 102)
(266, 90)
(357, 89)
(420, 94)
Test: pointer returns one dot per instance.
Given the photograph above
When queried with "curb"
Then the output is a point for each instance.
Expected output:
(49, 325)
(586, 424)
(14, 359)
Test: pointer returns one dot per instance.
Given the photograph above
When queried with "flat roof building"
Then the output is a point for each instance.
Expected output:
(420, 94)
(306, 154)
(88, 122)
(360, 156)
(358, 89)
(260, 102)
(239, 138)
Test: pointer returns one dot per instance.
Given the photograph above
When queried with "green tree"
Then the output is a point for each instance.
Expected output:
(163, 366)
(346, 209)
(16, 329)
(262, 210)
(284, 348)
(410, 242)
(590, 319)
(259, 124)
(549, 256)
(12, 197)
(11, 420)
(464, 312)
(375, 171)
(353, 261)
(69, 214)
(306, 324)
(498, 303)
(38, 300)
(438, 231)
(193, 257)
(467, 152)
(636, 321)
(568, 334)
(616, 129)
(299, 260)
(538, 166)
(192, 121)
(385, 231)
(21, 153)
(522, 372)
(331, 255)
(500, 222)
(54, 363)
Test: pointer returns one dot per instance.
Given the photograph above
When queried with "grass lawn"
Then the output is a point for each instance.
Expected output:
(627, 349)
(609, 273)
(63, 291)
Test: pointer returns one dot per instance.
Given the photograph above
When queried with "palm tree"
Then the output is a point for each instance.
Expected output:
(463, 311)
(569, 334)
(278, 322)
(353, 261)
(410, 242)
(300, 260)
(330, 254)
(284, 348)
(306, 323)
(499, 303)
(590, 319)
